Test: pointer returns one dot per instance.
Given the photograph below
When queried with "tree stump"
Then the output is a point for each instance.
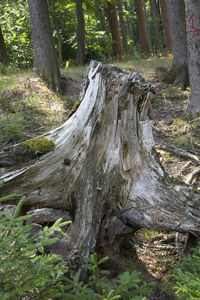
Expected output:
(104, 169)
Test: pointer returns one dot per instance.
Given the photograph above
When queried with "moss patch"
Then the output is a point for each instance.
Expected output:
(41, 144)
(74, 108)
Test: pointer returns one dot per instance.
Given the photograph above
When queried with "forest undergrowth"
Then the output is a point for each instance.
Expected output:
(28, 108)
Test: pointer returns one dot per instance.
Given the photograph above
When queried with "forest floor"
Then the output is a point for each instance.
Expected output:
(28, 108)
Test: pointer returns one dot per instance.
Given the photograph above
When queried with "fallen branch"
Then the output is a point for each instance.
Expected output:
(191, 176)
(178, 151)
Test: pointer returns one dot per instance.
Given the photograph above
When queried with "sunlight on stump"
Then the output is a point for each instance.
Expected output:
(104, 169)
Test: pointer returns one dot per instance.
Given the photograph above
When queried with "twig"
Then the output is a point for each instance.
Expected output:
(191, 176)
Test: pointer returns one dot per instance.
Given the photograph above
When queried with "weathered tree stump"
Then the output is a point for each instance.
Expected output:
(104, 170)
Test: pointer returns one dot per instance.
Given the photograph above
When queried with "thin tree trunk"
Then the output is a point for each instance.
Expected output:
(193, 42)
(104, 169)
(127, 20)
(117, 47)
(122, 26)
(55, 21)
(177, 27)
(155, 26)
(3, 52)
(146, 23)
(165, 27)
(44, 51)
(81, 32)
(145, 47)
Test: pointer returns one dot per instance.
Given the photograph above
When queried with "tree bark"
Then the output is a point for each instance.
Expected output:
(81, 32)
(176, 17)
(44, 52)
(104, 170)
(128, 21)
(145, 48)
(59, 38)
(193, 39)
(122, 26)
(3, 52)
(156, 34)
(165, 27)
(117, 47)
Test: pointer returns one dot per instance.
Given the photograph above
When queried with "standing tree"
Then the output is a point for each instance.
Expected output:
(81, 32)
(44, 52)
(193, 43)
(58, 35)
(122, 26)
(143, 36)
(176, 16)
(155, 28)
(165, 26)
(3, 52)
(117, 47)
(104, 170)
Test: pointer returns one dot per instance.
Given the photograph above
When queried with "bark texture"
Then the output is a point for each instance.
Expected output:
(165, 26)
(142, 29)
(3, 52)
(44, 52)
(177, 26)
(59, 37)
(155, 34)
(193, 42)
(117, 47)
(104, 170)
(81, 32)
(122, 26)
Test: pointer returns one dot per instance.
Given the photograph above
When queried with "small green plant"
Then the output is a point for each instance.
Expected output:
(26, 272)
(128, 286)
(187, 276)
(12, 128)
(172, 92)
(157, 100)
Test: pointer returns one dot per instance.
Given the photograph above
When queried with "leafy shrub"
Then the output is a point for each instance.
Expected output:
(187, 275)
(25, 271)
(128, 286)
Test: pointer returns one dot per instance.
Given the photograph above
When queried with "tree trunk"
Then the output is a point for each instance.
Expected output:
(146, 23)
(193, 39)
(176, 17)
(44, 52)
(81, 32)
(142, 28)
(122, 26)
(155, 34)
(104, 170)
(3, 52)
(127, 21)
(165, 27)
(117, 47)
(59, 38)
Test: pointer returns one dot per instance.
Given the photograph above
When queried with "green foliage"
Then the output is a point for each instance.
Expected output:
(25, 270)
(172, 92)
(127, 286)
(187, 275)
(41, 144)
(17, 34)
(12, 127)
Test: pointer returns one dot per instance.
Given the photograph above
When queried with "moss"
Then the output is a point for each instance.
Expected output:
(41, 144)
(180, 123)
(74, 108)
